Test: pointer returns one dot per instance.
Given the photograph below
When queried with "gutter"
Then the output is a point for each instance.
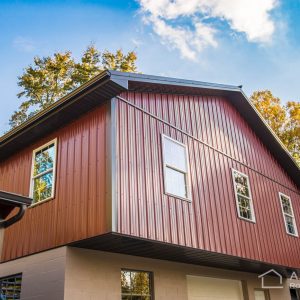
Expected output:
(8, 202)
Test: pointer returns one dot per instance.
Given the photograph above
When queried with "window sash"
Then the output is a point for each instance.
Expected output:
(283, 197)
(43, 173)
(52, 170)
(238, 195)
(184, 171)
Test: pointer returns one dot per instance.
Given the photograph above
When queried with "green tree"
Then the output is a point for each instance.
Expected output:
(283, 119)
(50, 78)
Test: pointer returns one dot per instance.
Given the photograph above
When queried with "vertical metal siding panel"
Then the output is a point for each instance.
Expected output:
(124, 207)
(229, 145)
(149, 179)
(157, 225)
(140, 180)
(131, 156)
(202, 188)
(232, 139)
(214, 181)
(267, 216)
(261, 220)
(196, 227)
(91, 208)
(65, 218)
(165, 201)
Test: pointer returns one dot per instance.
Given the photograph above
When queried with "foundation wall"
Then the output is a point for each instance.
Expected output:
(43, 274)
(90, 274)
(76, 274)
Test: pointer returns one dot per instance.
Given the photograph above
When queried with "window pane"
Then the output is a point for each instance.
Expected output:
(42, 187)
(44, 160)
(140, 282)
(242, 190)
(244, 207)
(136, 285)
(175, 155)
(175, 182)
(290, 224)
(240, 179)
(125, 282)
(286, 205)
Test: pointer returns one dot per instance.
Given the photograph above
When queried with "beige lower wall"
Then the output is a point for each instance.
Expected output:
(96, 275)
(73, 274)
(43, 274)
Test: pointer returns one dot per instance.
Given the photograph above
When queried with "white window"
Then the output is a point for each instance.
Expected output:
(243, 196)
(176, 170)
(288, 214)
(43, 172)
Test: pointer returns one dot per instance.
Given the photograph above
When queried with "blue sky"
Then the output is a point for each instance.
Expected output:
(257, 44)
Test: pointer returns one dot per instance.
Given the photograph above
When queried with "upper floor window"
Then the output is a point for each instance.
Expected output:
(176, 169)
(10, 287)
(288, 214)
(243, 196)
(136, 285)
(43, 172)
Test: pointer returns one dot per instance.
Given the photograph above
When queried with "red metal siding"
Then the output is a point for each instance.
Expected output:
(78, 210)
(218, 139)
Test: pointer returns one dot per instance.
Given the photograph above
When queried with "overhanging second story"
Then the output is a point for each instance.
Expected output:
(154, 166)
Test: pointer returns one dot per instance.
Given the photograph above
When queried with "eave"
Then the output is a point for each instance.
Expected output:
(60, 113)
(131, 245)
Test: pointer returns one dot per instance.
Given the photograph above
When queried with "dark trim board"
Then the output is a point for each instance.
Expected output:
(123, 244)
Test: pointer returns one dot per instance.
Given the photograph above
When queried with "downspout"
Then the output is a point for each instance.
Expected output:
(15, 218)
(5, 223)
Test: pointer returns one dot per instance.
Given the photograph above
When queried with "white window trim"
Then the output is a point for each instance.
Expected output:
(187, 173)
(54, 141)
(292, 216)
(253, 220)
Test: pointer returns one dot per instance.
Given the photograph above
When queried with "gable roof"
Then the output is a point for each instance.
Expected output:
(109, 84)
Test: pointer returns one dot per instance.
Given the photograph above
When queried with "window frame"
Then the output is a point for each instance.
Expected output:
(187, 173)
(253, 220)
(151, 279)
(284, 214)
(32, 177)
(18, 275)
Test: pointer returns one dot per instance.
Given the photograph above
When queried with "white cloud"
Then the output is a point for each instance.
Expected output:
(251, 17)
(24, 44)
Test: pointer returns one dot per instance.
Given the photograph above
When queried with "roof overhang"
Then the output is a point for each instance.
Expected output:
(119, 243)
(109, 84)
(60, 113)
(8, 202)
